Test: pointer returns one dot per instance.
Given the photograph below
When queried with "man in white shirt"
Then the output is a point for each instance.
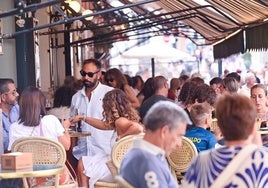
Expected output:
(88, 101)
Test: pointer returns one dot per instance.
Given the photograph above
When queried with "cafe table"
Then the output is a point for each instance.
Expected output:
(76, 134)
(36, 171)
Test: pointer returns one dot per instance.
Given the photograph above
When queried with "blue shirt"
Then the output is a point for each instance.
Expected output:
(7, 121)
(145, 166)
(202, 138)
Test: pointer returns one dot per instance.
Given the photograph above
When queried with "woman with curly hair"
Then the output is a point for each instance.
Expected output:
(119, 115)
(114, 78)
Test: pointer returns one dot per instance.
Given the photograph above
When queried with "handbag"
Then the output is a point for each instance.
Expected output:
(233, 165)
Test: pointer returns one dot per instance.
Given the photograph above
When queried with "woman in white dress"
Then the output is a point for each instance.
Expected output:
(119, 115)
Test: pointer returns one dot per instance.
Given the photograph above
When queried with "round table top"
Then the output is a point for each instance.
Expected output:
(75, 134)
(36, 171)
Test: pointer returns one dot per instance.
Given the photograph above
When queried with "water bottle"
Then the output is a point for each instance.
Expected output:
(78, 126)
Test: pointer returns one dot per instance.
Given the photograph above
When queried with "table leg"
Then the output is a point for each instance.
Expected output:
(70, 158)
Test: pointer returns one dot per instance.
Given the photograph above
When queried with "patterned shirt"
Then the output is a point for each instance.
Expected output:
(209, 164)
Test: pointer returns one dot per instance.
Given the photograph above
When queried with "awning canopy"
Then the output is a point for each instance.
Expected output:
(233, 26)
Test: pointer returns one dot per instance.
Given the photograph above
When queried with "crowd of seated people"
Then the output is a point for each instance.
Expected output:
(112, 105)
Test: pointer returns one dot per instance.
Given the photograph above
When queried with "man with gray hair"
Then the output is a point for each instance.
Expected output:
(145, 164)
(10, 114)
(9, 104)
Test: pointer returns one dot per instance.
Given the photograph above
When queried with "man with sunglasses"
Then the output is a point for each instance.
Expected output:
(9, 105)
(88, 101)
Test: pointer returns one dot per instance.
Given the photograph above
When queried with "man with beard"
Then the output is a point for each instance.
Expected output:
(10, 114)
(88, 102)
(9, 105)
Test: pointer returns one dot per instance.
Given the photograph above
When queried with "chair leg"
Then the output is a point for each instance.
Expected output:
(57, 180)
(173, 172)
(25, 183)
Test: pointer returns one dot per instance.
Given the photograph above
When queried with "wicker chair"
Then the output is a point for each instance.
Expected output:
(118, 151)
(45, 151)
(181, 158)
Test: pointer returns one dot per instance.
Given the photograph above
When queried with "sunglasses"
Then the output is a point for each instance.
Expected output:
(109, 80)
(89, 74)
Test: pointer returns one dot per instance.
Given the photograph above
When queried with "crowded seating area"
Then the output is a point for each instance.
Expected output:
(133, 94)
(164, 141)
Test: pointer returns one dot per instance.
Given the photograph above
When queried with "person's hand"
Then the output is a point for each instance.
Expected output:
(77, 118)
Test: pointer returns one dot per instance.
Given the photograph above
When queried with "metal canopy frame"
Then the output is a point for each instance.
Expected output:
(213, 22)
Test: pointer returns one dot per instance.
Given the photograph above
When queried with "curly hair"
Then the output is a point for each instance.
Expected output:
(115, 105)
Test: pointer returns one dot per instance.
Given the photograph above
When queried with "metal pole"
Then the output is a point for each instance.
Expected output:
(69, 20)
(153, 67)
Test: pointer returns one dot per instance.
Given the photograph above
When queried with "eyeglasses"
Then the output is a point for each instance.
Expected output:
(89, 74)
(14, 92)
(109, 80)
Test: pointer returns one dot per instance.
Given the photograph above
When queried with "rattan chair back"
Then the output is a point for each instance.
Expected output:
(45, 151)
(121, 147)
(181, 158)
(118, 151)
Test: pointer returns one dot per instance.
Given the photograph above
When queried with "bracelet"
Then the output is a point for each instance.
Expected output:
(84, 118)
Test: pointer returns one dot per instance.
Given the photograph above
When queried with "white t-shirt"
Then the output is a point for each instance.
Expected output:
(50, 124)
